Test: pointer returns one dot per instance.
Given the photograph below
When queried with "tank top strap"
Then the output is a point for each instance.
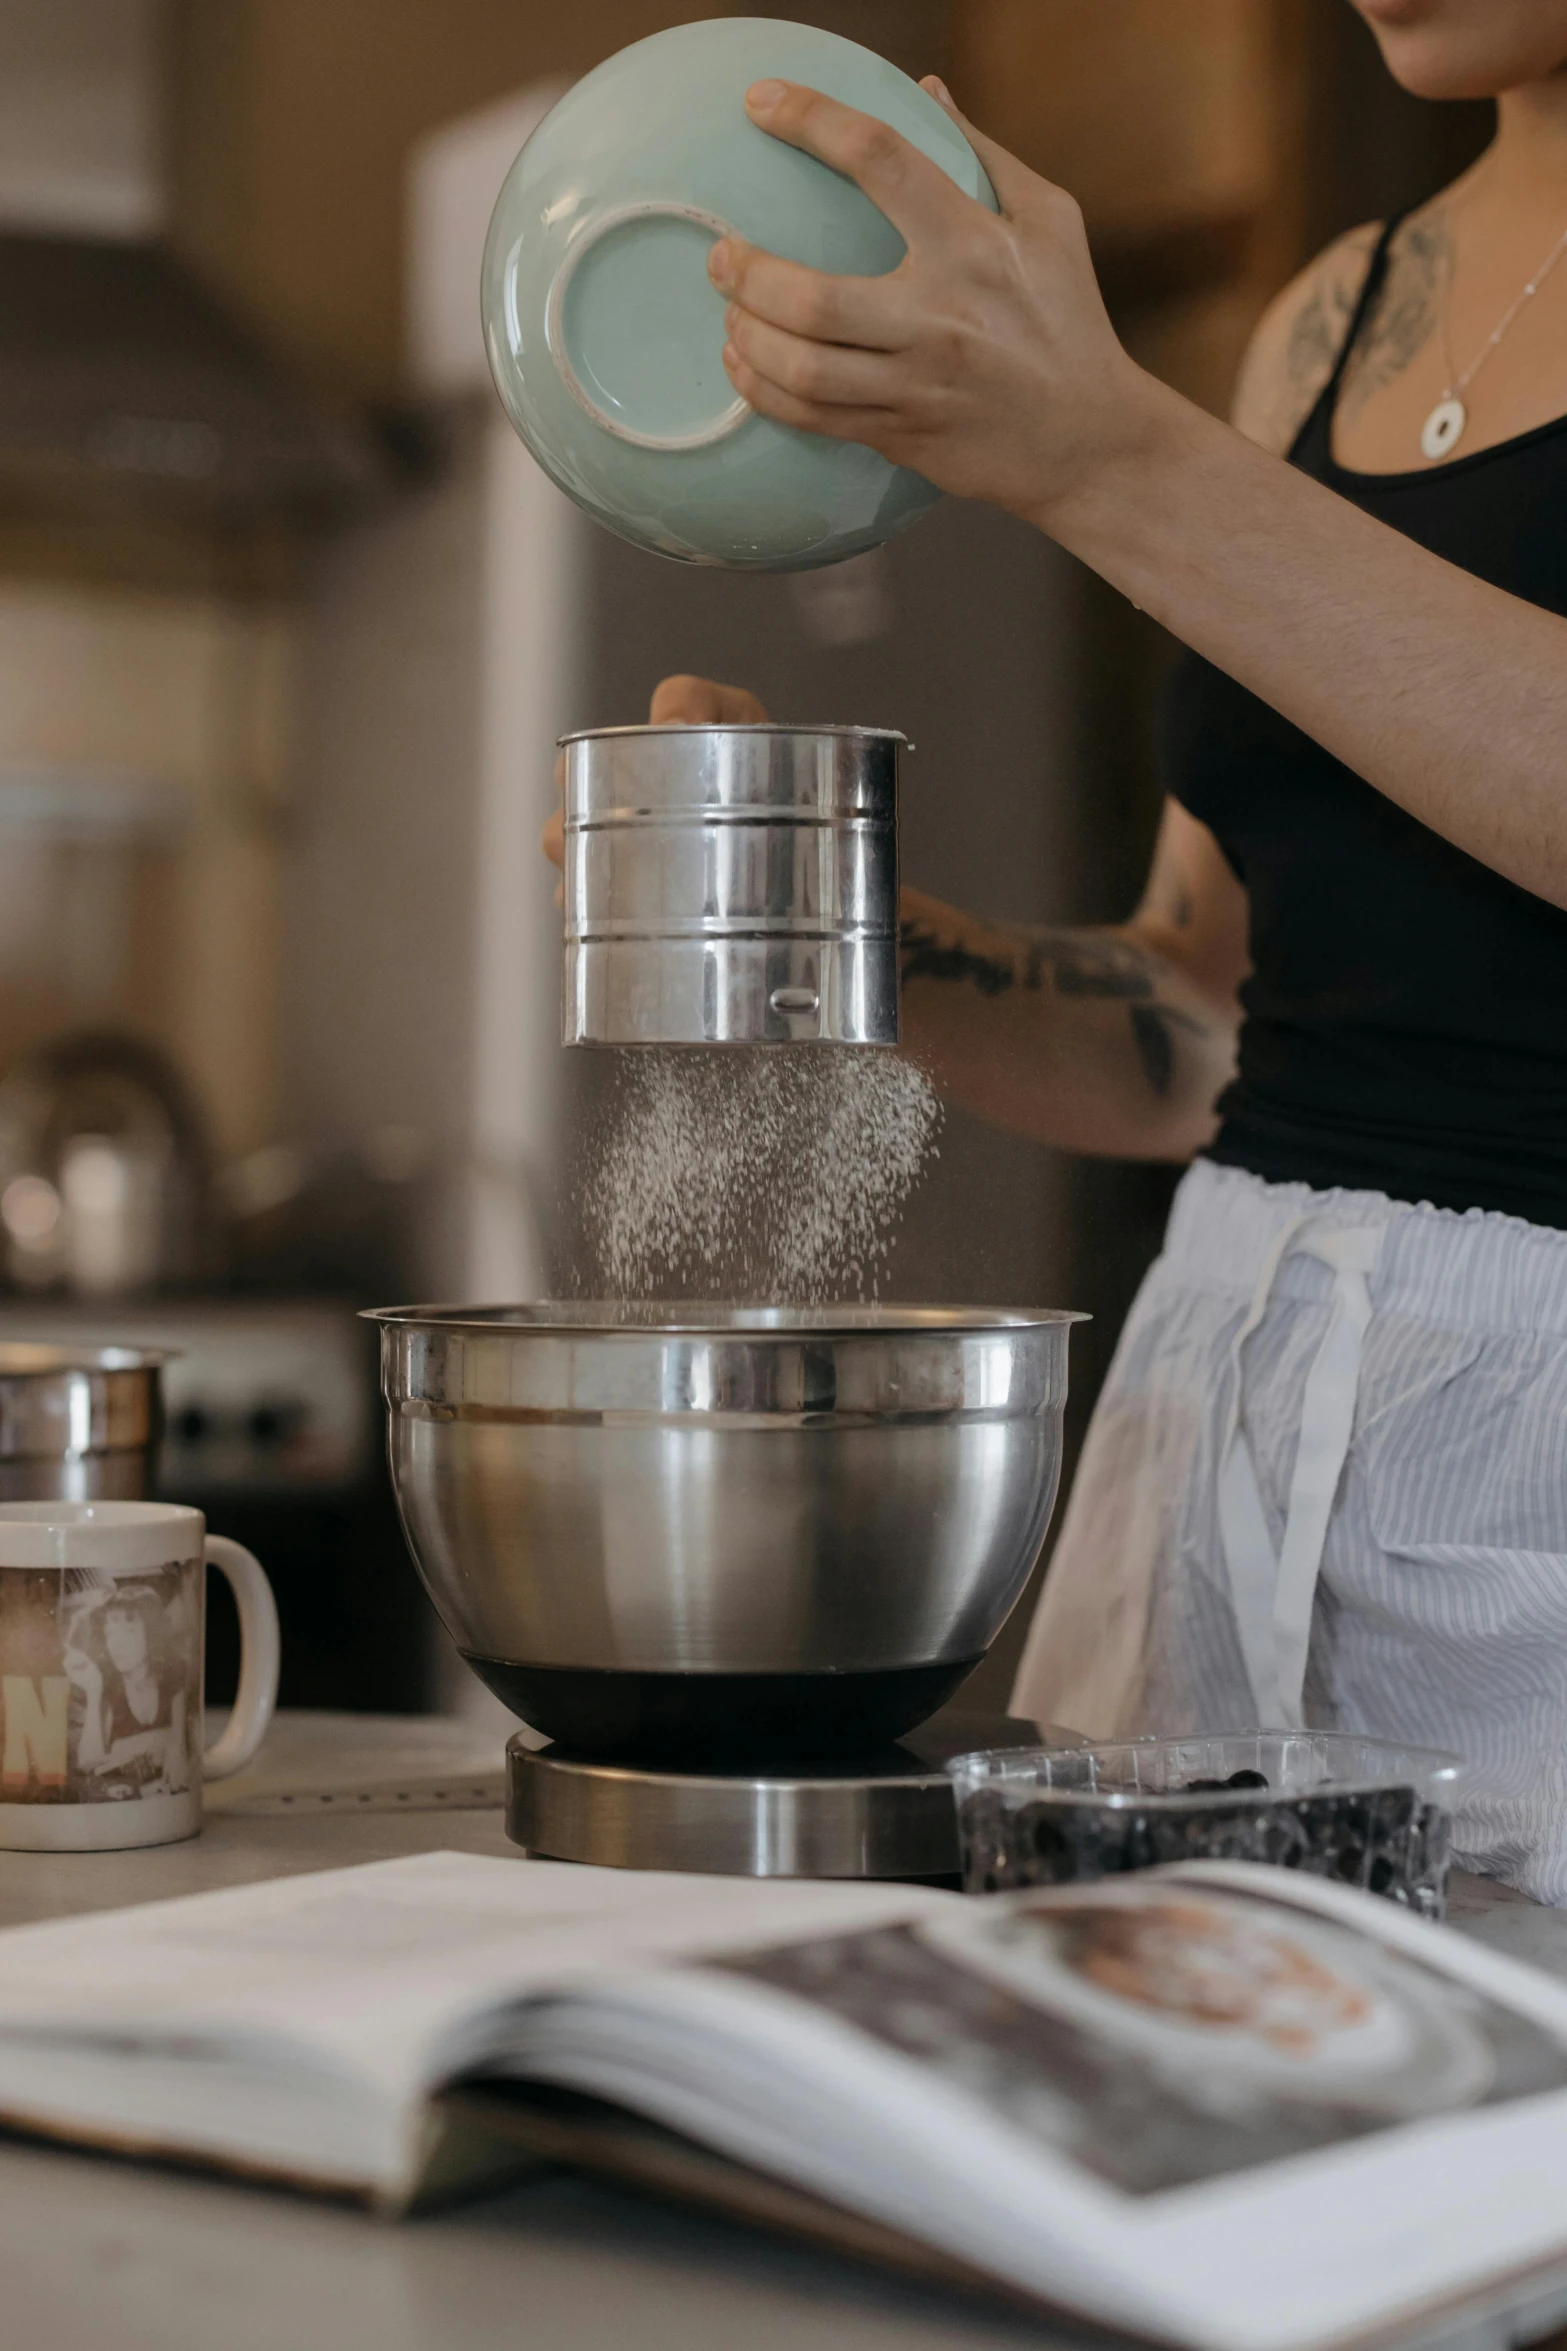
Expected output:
(1319, 419)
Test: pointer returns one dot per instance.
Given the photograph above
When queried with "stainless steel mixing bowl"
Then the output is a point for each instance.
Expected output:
(721, 1533)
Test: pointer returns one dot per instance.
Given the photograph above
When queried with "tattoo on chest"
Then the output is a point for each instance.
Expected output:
(1407, 310)
(1316, 338)
(1401, 324)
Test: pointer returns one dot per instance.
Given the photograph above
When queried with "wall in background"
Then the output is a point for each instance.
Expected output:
(81, 116)
(292, 120)
(1175, 130)
(193, 694)
(1151, 115)
(1173, 126)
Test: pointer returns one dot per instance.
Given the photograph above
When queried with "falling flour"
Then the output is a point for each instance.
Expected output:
(771, 1173)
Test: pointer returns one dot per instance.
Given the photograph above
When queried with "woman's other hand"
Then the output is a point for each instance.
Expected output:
(677, 702)
(985, 360)
(702, 702)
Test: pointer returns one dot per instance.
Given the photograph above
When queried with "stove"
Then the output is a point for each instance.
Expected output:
(886, 1815)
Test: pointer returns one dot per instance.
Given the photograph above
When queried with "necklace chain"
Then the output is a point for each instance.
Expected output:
(1445, 426)
(1458, 384)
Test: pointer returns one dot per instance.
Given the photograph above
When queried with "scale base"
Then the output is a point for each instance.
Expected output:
(890, 1815)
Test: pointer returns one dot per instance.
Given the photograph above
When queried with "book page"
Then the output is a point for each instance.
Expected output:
(386, 1977)
(1173, 2039)
(1155, 2098)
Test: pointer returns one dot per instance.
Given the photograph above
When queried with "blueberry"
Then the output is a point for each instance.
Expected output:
(1283, 1839)
(1146, 1841)
(1050, 1838)
(1247, 1779)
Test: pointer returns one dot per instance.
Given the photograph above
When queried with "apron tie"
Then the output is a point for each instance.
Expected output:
(1273, 1592)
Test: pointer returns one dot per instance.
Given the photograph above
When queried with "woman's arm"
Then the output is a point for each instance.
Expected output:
(1113, 1040)
(987, 362)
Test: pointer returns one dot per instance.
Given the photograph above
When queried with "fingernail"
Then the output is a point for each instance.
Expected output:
(763, 96)
(939, 89)
(721, 263)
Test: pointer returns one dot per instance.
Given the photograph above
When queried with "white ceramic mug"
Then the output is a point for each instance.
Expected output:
(102, 1628)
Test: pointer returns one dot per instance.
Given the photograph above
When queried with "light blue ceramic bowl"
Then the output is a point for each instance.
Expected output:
(606, 337)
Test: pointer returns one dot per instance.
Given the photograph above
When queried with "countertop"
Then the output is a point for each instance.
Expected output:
(95, 2253)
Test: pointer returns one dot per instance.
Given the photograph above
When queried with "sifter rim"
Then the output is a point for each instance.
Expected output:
(768, 727)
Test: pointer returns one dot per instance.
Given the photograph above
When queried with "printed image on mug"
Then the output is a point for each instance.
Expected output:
(101, 1689)
(102, 1633)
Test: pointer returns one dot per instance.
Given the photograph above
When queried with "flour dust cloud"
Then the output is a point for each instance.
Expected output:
(774, 1174)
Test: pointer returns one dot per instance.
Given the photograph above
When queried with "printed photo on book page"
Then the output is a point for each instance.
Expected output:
(1159, 2036)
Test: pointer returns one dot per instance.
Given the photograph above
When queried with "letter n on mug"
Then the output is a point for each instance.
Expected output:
(102, 1627)
(37, 1731)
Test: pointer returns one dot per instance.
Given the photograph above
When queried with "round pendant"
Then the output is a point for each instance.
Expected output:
(1443, 428)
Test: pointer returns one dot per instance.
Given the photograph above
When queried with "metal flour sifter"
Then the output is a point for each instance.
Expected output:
(731, 885)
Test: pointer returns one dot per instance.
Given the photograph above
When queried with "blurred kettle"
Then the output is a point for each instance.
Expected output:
(105, 1172)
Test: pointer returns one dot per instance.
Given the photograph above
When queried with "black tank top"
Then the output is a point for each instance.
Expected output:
(1405, 1026)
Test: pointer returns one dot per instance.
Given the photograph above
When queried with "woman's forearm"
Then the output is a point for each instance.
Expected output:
(1088, 1039)
(1443, 692)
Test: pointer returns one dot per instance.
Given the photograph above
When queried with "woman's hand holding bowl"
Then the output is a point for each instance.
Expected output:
(986, 360)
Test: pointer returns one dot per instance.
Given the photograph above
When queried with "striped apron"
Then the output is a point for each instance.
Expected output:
(1326, 1484)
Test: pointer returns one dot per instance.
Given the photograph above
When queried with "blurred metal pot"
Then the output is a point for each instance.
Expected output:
(78, 1423)
(104, 1171)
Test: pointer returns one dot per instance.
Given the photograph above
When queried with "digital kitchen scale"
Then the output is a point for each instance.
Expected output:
(889, 1815)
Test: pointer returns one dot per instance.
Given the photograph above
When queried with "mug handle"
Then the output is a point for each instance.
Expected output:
(260, 1654)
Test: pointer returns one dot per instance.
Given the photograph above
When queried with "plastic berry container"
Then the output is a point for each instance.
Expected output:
(1327, 1802)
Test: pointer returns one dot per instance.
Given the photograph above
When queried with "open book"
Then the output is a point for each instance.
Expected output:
(1215, 2106)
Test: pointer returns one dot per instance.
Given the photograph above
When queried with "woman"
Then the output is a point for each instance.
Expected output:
(1327, 1479)
(121, 1659)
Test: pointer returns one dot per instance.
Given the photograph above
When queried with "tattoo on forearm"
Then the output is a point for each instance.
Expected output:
(1088, 967)
(925, 958)
(1078, 965)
